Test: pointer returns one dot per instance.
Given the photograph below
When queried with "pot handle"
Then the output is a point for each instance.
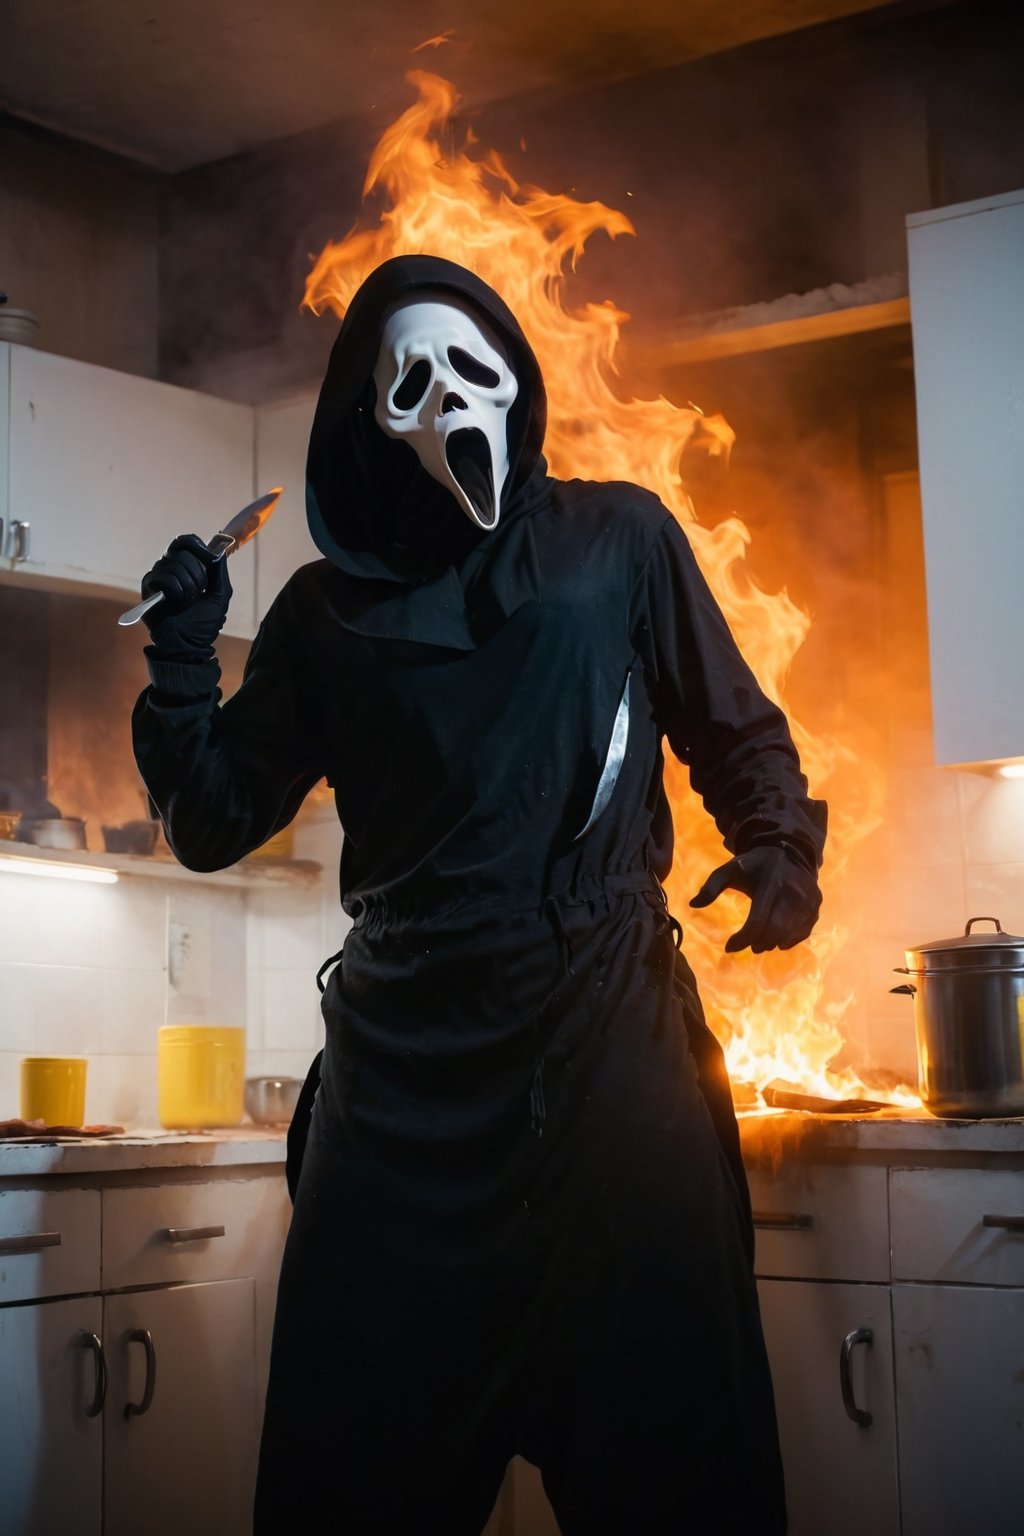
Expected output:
(908, 989)
(972, 920)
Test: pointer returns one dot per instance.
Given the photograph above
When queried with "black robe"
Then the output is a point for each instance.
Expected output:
(521, 1224)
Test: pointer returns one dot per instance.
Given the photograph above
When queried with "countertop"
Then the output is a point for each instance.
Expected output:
(892, 1136)
(144, 1149)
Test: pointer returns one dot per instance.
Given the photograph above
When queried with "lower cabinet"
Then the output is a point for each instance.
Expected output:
(133, 1407)
(830, 1347)
(179, 1437)
(959, 1354)
(51, 1428)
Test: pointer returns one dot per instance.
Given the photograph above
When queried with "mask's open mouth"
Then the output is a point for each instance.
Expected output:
(468, 455)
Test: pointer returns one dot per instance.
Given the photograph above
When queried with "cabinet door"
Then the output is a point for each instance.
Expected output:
(282, 437)
(106, 468)
(186, 1464)
(960, 1382)
(51, 1449)
(840, 1475)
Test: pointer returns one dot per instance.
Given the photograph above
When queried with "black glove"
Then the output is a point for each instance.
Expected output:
(784, 898)
(197, 590)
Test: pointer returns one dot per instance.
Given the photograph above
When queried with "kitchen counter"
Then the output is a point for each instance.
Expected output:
(776, 1136)
(142, 1150)
(768, 1139)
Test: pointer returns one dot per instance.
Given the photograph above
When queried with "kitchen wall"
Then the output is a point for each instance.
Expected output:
(95, 970)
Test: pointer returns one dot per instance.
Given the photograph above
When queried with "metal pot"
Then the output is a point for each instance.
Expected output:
(969, 1015)
(65, 832)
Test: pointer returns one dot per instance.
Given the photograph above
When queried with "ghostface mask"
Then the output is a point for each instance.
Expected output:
(444, 386)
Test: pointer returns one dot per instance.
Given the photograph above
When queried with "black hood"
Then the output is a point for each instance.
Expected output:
(372, 508)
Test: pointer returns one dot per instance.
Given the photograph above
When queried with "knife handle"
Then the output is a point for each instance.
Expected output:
(220, 545)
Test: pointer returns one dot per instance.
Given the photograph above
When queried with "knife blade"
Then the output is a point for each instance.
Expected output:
(244, 526)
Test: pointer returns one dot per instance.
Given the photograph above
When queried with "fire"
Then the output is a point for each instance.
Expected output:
(772, 1011)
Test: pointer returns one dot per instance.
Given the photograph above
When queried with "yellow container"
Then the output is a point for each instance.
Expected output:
(200, 1076)
(53, 1089)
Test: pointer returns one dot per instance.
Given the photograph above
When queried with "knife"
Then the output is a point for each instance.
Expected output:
(242, 527)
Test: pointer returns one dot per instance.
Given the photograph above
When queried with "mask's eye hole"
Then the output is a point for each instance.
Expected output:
(472, 371)
(413, 387)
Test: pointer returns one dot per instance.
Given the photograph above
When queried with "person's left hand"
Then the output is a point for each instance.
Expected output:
(784, 898)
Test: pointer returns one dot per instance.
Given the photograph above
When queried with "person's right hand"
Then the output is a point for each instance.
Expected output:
(196, 589)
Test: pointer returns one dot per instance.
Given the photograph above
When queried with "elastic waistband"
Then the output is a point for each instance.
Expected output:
(381, 910)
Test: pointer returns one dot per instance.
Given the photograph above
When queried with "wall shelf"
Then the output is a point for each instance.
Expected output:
(249, 873)
(822, 315)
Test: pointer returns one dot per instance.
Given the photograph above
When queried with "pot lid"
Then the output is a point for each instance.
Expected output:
(969, 940)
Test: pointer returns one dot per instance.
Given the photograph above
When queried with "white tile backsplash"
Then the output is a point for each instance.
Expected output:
(69, 1010)
(992, 812)
(134, 1006)
(17, 1009)
(24, 935)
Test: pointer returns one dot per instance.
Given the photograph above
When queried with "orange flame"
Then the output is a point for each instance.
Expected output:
(771, 1010)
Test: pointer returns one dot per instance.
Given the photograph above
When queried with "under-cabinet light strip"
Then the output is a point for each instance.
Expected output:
(10, 864)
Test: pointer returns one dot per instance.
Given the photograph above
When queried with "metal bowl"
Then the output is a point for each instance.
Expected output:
(64, 832)
(271, 1100)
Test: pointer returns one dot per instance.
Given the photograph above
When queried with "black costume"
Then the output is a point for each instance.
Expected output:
(521, 1223)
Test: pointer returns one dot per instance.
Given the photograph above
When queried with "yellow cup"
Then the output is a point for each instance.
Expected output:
(53, 1089)
(200, 1076)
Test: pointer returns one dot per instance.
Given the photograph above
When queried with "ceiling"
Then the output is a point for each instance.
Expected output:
(173, 85)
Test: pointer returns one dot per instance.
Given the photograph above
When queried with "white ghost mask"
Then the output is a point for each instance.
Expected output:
(445, 387)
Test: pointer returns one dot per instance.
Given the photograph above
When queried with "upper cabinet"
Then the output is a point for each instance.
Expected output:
(99, 470)
(967, 314)
(282, 436)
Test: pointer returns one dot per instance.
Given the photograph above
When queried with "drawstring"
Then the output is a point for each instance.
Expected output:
(675, 926)
(326, 967)
(538, 1109)
(553, 913)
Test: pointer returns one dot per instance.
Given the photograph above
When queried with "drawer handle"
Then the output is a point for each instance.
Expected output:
(1008, 1223)
(19, 540)
(860, 1416)
(144, 1337)
(782, 1221)
(29, 1242)
(192, 1234)
(99, 1397)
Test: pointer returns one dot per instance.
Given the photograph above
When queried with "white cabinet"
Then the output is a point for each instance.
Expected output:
(99, 470)
(181, 1457)
(150, 1382)
(966, 266)
(959, 1348)
(282, 437)
(51, 1437)
(838, 1448)
(960, 1384)
(901, 1397)
(824, 1226)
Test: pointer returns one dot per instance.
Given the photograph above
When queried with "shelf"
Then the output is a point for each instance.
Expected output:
(822, 315)
(249, 873)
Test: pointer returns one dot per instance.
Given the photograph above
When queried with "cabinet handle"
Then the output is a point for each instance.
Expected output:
(99, 1397)
(144, 1337)
(782, 1221)
(1008, 1223)
(856, 1336)
(29, 1242)
(20, 540)
(191, 1234)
